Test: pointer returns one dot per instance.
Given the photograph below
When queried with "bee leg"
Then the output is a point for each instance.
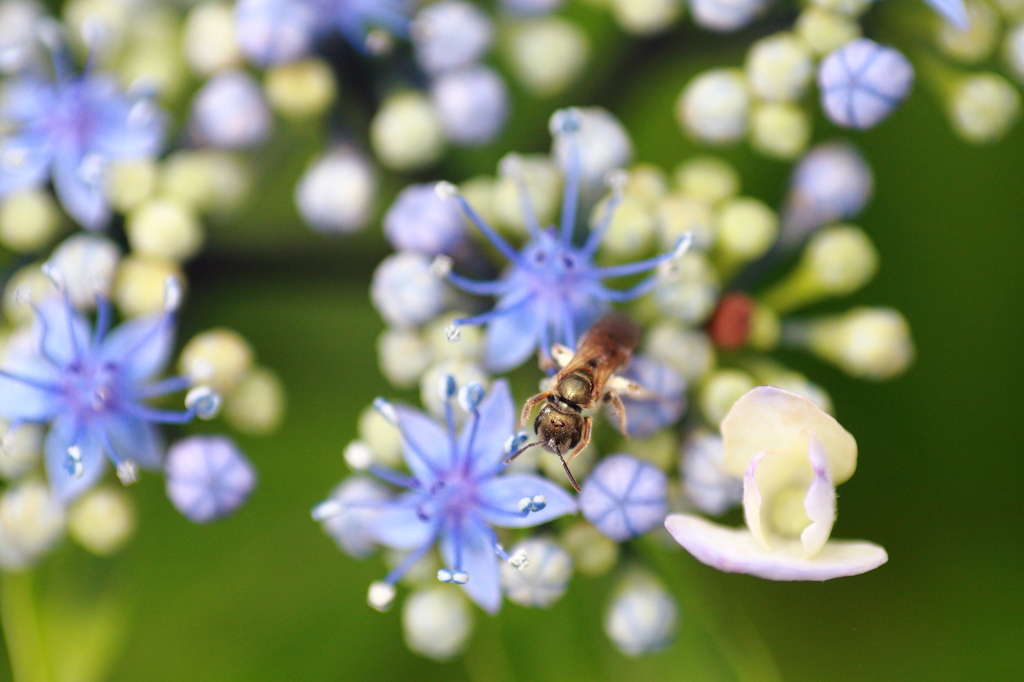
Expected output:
(561, 354)
(588, 424)
(619, 409)
(530, 404)
(630, 389)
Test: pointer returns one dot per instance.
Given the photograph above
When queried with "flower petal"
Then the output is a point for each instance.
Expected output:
(512, 337)
(820, 503)
(734, 550)
(403, 523)
(56, 324)
(81, 196)
(953, 11)
(752, 502)
(63, 434)
(501, 496)
(24, 162)
(469, 547)
(20, 401)
(135, 439)
(140, 346)
(425, 444)
(496, 423)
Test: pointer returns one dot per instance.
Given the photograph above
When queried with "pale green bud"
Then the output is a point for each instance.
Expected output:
(164, 228)
(208, 38)
(404, 355)
(644, 17)
(21, 448)
(130, 182)
(978, 41)
(824, 31)
(206, 180)
(659, 449)
(688, 351)
(256, 404)
(31, 523)
(1013, 50)
(643, 616)
(677, 215)
(714, 106)
(707, 178)
(1012, 10)
(631, 231)
(140, 284)
(547, 55)
(983, 107)
(463, 371)
(851, 8)
(218, 358)
(86, 263)
(406, 133)
(647, 183)
(383, 438)
(26, 286)
(765, 328)
(689, 291)
(102, 520)
(780, 129)
(779, 67)
(870, 343)
(543, 186)
(437, 622)
(470, 344)
(480, 192)
(769, 372)
(720, 390)
(29, 219)
(746, 228)
(300, 90)
(592, 551)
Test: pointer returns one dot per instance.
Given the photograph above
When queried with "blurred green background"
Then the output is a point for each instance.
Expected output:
(266, 596)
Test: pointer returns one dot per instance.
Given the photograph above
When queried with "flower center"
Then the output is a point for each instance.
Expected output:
(91, 388)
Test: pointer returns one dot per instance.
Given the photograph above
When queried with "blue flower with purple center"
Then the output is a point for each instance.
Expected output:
(454, 494)
(553, 291)
(93, 386)
(68, 129)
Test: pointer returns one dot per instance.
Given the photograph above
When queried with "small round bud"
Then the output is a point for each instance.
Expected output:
(642, 617)
(421, 219)
(29, 219)
(381, 595)
(102, 520)
(547, 55)
(720, 390)
(164, 228)
(256, 405)
(336, 192)
(359, 455)
(31, 523)
(207, 477)
(593, 553)
(631, 231)
(218, 357)
(1013, 50)
(645, 17)
(983, 107)
(543, 183)
(86, 263)
(206, 179)
(349, 512)
(708, 179)
(405, 291)
(229, 112)
(863, 82)
(449, 35)
(624, 497)
(677, 215)
(725, 16)
(659, 448)
(706, 484)
(714, 106)
(208, 38)
(689, 351)
(543, 580)
(140, 285)
(26, 286)
(472, 104)
(384, 439)
(599, 139)
(18, 43)
(870, 343)
(406, 133)
(437, 622)
(404, 356)
(780, 130)
(779, 68)
(274, 31)
(130, 182)
(689, 293)
(204, 401)
(21, 448)
(746, 229)
(300, 90)
(973, 44)
(825, 31)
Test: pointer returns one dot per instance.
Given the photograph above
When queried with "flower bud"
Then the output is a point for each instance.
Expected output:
(256, 405)
(26, 286)
(382, 437)
(769, 372)
(746, 228)
(141, 282)
(720, 390)
(336, 192)
(689, 292)
(863, 82)
(102, 520)
(689, 351)
(207, 477)
(300, 90)
(31, 523)
(274, 31)
(714, 106)
(462, 371)
(547, 55)
(677, 215)
(405, 290)
(204, 179)
(642, 616)
(708, 179)
(218, 358)
(825, 31)
(437, 622)
(976, 43)
(86, 263)
(870, 343)
(726, 16)
(624, 497)
(406, 133)
(229, 112)
(660, 448)
(600, 140)
(543, 187)
(164, 228)
(779, 129)
(208, 38)
(542, 581)
(470, 343)
(29, 219)
(420, 220)
(592, 553)
(779, 68)
(348, 513)
(837, 261)
(644, 17)
(983, 107)
(21, 448)
(130, 182)
(1013, 50)
(404, 356)
(706, 484)
(631, 231)
(19, 46)
(450, 34)
(472, 104)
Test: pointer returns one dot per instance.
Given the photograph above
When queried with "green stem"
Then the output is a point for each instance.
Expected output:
(22, 631)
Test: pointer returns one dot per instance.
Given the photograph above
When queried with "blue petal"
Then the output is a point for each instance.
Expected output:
(135, 439)
(404, 524)
(469, 547)
(424, 444)
(24, 162)
(29, 100)
(953, 11)
(54, 322)
(512, 337)
(83, 199)
(20, 401)
(496, 422)
(63, 434)
(140, 346)
(501, 496)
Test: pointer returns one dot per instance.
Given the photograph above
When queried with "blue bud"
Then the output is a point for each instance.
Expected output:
(625, 497)
(207, 477)
(421, 220)
(863, 82)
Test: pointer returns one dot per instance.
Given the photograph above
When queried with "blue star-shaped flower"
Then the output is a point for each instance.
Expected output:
(553, 291)
(69, 129)
(454, 495)
(92, 387)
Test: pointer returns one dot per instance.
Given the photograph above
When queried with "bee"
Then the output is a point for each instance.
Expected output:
(587, 378)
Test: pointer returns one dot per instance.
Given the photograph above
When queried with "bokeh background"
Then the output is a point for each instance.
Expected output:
(264, 595)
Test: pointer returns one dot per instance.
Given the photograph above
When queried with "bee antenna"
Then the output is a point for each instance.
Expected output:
(508, 460)
(569, 474)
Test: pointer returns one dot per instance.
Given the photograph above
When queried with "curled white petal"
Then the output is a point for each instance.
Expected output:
(820, 503)
(752, 502)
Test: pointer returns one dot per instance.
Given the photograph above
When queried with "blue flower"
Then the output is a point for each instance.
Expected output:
(208, 477)
(92, 387)
(553, 291)
(69, 129)
(455, 494)
(863, 82)
(625, 497)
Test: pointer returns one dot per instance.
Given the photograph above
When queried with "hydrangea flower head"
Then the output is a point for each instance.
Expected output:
(92, 386)
(69, 129)
(553, 291)
(454, 495)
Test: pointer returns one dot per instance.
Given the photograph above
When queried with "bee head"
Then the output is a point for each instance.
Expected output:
(558, 431)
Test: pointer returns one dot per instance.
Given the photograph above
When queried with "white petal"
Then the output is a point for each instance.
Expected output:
(752, 502)
(736, 551)
(820, 503)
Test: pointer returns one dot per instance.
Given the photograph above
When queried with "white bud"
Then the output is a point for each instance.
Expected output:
(825, 31)
(336, 192)
(708, 179)
(208, 38)
(644, 17)
(21, 449)
(688, 351)
(31, 522)
(871, 343)
(437, 622)
(780, 129)
(600, 140)
(256, 405)
(218, 357)
(779, 67)
(164, 228)
(642, 617)
(87, 264)
(726, 15)
(102, 520)
(300, 90)
(593, 553)
(230, 112)
(706, 483)
(358, 455)
(543, 579)
(405, 291)
(406, 133)
(451, 34)
(29, 219)
(140, 285)
(689, 292)
(720, 390)
(548, 54)
(463, 371)
(983, 107)
(977, 42)
(714, 106)
(404, 355)
(381, 595)
(746, 229)
(472, 104)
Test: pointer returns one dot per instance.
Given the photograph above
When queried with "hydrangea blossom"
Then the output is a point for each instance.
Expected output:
(624, 497)
(863, 82)
(92, 386)
(553, 291)
(454, 494)
(69, 129)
